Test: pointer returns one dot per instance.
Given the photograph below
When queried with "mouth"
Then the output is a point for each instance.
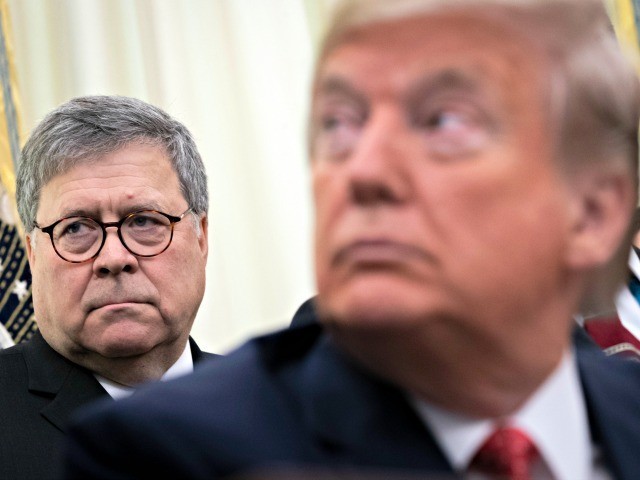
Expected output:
(379, 252)
(116, 304)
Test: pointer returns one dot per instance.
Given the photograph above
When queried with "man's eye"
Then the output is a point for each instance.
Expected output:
(329, 123)
(142, 221)
(333, 121)
(337, 133)
(146, 221)
(75, 228)
(72, 228)
(453, 132)
(448, 121)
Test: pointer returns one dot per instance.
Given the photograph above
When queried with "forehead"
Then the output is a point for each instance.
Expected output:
(389, 56)
(135, 176)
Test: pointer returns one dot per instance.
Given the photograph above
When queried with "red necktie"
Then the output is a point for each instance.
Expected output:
(612, 337)
(507, 454)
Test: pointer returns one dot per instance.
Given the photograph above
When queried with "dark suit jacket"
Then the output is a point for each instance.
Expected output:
(39, 390)
(293, 399)
(305, 315)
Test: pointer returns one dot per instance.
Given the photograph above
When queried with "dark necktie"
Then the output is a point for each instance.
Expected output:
(634, 287)
(508, 454)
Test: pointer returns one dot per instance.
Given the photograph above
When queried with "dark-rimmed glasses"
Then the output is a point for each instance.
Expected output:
(145, 233)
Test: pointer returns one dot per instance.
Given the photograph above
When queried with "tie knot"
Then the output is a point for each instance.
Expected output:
(508, 453)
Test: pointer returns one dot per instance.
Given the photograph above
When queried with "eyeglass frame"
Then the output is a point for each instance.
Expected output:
(104, 225)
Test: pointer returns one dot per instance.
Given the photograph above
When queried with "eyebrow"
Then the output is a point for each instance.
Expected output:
(91, 213)
(335, 85)
(450, 79)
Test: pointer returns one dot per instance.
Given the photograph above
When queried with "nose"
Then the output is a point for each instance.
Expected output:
(114, 258)
(378, 169)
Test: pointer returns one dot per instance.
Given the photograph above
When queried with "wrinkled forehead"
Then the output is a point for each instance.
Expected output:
(398, 56)
(95, 153)
(355, 15)
(550, 24)
(435, 32)
(490, 26)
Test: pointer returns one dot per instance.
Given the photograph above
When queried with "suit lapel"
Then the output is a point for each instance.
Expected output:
(79, 388)
(68, 385)
(198, 355)
(612, 396)
(367, 421)
(360, 419)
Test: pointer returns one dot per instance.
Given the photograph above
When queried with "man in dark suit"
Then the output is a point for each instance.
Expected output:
(113, 195)
(473, 165)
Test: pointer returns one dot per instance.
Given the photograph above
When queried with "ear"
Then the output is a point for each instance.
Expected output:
(31, 256)
(603, 207)
(203, 239)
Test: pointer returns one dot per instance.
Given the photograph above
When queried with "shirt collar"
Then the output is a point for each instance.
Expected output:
(555, 418)
(627, 307)
(182, 366)
(634, 263)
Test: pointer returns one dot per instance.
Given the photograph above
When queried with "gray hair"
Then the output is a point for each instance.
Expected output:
(87, 127)
(593, 90)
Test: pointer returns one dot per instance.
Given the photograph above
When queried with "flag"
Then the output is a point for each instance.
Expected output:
(17, 322)
(624, 15)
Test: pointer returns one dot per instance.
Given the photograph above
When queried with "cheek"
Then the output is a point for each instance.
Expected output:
(512, 227)
(486, 205)
(330, 194)
(42, 277)
(62, 286)
(57, 298)
(180, 278)
(327, 216)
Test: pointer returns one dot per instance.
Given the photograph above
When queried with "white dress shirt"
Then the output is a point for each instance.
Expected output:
(555, 418)
(5, 339)
(183, 366)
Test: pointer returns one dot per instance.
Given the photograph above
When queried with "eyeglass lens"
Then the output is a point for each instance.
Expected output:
(143, 233)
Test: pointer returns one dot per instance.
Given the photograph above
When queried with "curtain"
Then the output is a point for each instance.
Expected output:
(237, 74)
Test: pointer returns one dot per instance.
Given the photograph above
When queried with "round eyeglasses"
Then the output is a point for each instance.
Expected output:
(145, 233)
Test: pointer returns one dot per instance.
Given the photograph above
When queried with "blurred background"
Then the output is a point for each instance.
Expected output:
(237, 74)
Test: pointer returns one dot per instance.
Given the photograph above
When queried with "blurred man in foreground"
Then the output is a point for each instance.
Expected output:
(113, 196)
(474, 163)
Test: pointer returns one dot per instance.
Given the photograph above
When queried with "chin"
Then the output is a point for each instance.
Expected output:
(118, 349)
(376, 307)
(129, 344)
(122, 336)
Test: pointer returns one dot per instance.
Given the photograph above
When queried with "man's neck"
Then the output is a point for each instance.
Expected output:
(133, 370)
(478, 378)
(555, 416)
(182, 366)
